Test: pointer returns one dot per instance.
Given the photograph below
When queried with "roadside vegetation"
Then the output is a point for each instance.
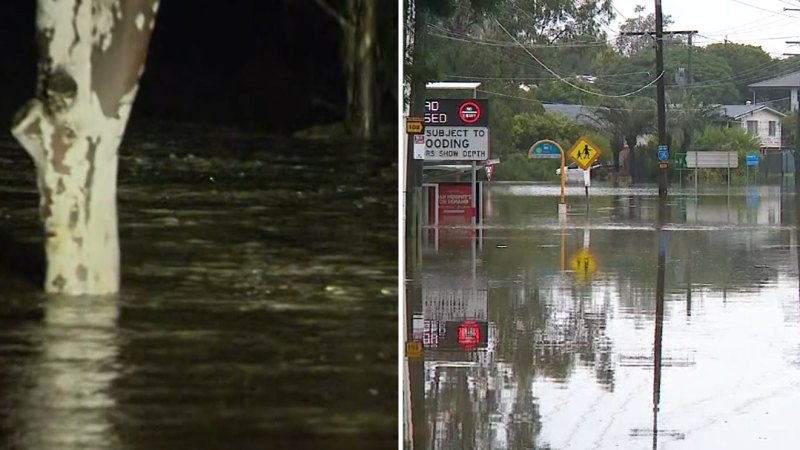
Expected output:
(528, 56)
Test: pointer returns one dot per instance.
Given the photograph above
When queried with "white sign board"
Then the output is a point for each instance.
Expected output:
(454, 303)
(456, 143)
(712, 160)
(419, 146)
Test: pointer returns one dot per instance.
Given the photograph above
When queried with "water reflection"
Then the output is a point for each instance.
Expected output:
(64, 394)
(619, 328)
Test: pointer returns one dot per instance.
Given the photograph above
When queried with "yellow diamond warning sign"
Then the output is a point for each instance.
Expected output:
(584, 152)
(583, 265)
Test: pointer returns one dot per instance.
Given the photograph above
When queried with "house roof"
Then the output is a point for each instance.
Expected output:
(737, 111)
(791, 80)
(579, 113)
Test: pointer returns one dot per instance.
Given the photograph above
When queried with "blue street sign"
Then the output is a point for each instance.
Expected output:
(544, 150)
(663, 153)
(752, 160)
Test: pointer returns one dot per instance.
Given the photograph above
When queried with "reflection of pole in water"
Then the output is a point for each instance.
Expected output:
(68, 405)
(659, 322)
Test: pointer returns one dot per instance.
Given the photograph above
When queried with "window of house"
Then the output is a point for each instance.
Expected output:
(752, 127)
(772, 127)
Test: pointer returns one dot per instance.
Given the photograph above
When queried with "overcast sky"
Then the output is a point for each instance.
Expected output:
(756, 22)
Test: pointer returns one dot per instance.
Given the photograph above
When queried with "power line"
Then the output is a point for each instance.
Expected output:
(545, 67)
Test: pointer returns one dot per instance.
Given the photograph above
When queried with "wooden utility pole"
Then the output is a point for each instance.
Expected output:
(662, 116)
(660, 86)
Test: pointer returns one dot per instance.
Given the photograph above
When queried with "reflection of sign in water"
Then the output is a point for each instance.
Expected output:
(469, 334)
(584, 265)
(413, 349)
(584, 152)
(455, 316)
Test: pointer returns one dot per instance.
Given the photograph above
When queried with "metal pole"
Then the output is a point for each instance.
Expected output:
(662, 119)
(689, 75)
(474, 194)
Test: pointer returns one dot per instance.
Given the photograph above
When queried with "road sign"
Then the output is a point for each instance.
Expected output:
(663, 153)
(752, 159)
(544, 150)
(663, 165)
(413, 349)
(419, 146)
(449, 112)
(680, 161)
(456, 143)
(584, 264)
(415, 125)
(584, 152)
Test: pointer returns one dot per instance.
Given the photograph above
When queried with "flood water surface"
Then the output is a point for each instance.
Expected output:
(258, 307)
(617, 328)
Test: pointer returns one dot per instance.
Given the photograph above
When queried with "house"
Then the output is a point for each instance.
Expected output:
(760, 121)
(789, 82)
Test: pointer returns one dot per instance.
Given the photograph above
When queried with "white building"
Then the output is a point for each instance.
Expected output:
(760, 121)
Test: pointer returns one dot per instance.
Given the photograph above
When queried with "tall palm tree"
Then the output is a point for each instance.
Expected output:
(625, 120)
(688, 116)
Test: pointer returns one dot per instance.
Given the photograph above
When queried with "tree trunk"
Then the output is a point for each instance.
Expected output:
(359, 61)
(91, 55)
(616, 147)
(633, 167)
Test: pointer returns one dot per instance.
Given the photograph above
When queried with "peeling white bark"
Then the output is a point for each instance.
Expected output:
(72, 130)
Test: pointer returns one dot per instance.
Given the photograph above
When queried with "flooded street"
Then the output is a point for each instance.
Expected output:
(258, 305)
(624, 326)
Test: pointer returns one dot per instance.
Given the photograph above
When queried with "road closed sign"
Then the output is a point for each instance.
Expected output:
(457, 143)
(456, 129)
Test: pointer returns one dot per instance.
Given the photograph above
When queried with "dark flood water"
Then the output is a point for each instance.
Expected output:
(258, 307)
(611, 330)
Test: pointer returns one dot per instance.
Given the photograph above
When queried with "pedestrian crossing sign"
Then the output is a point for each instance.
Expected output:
(584, 152)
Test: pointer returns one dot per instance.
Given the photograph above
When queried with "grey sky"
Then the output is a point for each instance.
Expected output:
(756, 22)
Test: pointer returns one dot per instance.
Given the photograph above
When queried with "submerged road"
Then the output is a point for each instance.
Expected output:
(613, 329)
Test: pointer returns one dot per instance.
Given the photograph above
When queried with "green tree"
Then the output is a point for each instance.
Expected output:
(632, 45)
(748, 64)
(686, 117)
(625, 120)
(529, 128)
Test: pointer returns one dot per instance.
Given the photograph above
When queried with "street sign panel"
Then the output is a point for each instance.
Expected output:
(456, 143)
(752, 159)
(544, 150)
(584, 152)
(451, 112)
(680, 161)
(663, 153)
(419, 146)
(415, 125)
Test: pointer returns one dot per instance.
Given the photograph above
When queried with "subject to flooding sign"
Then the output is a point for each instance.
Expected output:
(456, 143)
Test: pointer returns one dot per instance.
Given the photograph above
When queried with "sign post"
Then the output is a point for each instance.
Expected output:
(457, 130)
(585, 153)
(547, 149)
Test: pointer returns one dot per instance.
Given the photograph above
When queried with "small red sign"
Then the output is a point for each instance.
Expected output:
(469, 335)
(469, 112)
